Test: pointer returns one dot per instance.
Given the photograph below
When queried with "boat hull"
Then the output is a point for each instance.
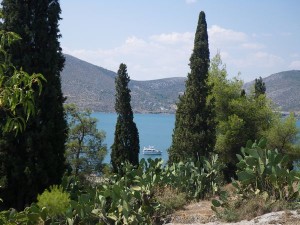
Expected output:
(151, 153)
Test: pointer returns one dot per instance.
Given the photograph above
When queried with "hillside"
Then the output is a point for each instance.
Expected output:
(93, 87)
(284, 89)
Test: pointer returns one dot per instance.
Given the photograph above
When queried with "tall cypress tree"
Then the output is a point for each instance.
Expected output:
(35, 159)
(194, 133)
(126, 144)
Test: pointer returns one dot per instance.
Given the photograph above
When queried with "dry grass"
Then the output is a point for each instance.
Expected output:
(252, 208)
(169, 198)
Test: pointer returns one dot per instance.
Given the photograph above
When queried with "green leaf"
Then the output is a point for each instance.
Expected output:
(252, 152)
(239, 157)
(246, 176)
(136, 188)
(112, 216)
(262, 143)
(33, 217)
(251, 161)
(216, 203)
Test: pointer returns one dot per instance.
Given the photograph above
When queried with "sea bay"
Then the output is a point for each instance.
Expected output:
(154, 129)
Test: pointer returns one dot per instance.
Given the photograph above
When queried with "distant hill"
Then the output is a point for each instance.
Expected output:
(93, 87)
(284, 89)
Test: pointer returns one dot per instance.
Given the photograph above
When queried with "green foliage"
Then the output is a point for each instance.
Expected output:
(141, 196)
(85, 150)
(194, 132)
(259, 87)
(224, 90)
(247, 119)
(262, 170)
(263, 180)
(33, 160)
(126, 144)
(240, 117)
(55, 200)
(16, 89)
(197, 180)
(282, 135)
(30, 216)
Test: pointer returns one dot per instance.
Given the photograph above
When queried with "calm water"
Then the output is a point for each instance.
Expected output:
(154, 129)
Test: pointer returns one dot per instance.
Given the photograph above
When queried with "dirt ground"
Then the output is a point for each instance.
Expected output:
(201, 213)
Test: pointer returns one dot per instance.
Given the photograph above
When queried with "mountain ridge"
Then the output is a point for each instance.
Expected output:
(93, 87)
(283, 89)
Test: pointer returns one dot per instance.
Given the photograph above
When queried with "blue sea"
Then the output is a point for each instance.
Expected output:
(154, 129)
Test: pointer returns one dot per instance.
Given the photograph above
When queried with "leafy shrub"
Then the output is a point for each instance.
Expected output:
(56, 201)
(133, 198)
(197, 180)
(261, 170)
(264, 184)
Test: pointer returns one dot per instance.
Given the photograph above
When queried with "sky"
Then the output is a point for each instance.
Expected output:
(155, 38)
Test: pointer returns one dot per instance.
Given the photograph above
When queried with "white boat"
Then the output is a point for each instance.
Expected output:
(150, 150)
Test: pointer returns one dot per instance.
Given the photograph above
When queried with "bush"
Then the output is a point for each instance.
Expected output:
(264, 184)
(56, 201)
(262, 170)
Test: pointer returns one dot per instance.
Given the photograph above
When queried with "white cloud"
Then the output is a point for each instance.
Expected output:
(268, 60)
(167, 54)
(173, 38)
(221, 35)
(163, 55)
(190, 1)
(245, 53)
(295, 65)
(134, 41)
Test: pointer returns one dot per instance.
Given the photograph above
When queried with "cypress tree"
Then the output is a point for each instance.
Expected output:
(259, 87)
(126, 142)
(34, 159)
(194, 133)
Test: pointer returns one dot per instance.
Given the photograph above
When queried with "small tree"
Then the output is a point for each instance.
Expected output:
(126, 144)
(240, 117)
(283, 135)
(85, 149)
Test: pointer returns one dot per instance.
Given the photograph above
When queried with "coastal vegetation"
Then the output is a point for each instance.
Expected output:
(51, 157)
